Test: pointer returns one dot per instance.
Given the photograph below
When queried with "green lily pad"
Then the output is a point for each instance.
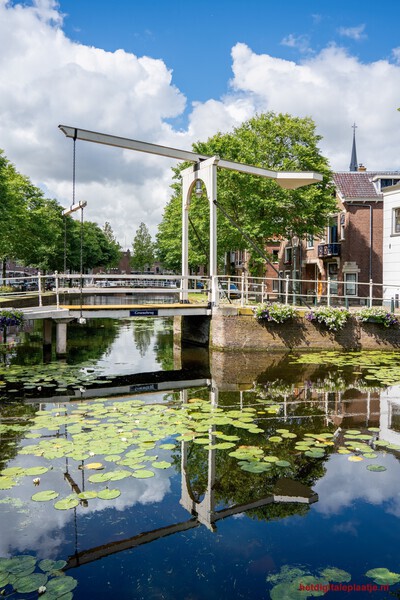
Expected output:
(108, 494)
(45, 496)
(67, 503)
(48, 565)
(383, 576)
(143, 474)
(336, 575)
(376, 468)
(161, 464)
(282, 463)
(57, 587)
(6, 483)
(30, 583)
(89, 495)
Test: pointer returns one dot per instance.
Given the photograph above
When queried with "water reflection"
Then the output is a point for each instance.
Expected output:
(154, 539)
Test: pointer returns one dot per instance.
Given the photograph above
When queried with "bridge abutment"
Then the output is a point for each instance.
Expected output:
(193, 329)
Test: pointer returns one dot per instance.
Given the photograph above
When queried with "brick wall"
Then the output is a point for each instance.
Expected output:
(234, 332)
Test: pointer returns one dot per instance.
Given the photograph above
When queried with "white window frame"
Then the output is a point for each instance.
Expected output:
(310, 241)
(396, 221)
(353, 284)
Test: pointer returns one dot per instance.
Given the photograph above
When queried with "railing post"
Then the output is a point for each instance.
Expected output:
(371, 285)
(328, 295)
(287, 289)
(57, 293)
(40, 288)
(262, 292)
(242, 291)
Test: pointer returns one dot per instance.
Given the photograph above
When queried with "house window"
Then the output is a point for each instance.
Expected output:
(310, 241)
(396, 221)
(342, 225)
(275, 285)
(350, 284)
(288, 255)
(275, 256)
(332, 231)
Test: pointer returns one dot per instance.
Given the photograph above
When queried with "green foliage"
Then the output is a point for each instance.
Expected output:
(274, 312)
(259, 206)
(377, 314)
(142, 249)
(331, 318)
(10, 317)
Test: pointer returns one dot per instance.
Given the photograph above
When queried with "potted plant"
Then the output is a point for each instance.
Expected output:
(274, 312)
(333, 319)
(377, 314)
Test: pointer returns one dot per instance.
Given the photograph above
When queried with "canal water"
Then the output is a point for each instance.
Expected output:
(130, 471)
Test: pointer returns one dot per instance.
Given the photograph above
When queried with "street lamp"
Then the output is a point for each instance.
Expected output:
(295, 245)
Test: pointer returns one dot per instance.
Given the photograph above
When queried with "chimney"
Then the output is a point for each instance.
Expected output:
(361, 167)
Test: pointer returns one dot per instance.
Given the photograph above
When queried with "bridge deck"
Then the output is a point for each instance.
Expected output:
(115, 311)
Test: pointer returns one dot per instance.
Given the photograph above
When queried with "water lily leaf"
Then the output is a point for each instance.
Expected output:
(100, 477)
(355, 458)
(282, 463)
(30, 583)
(95, 466)
(6, 483)
(161, 464)
(55, 588)
(376, 468)
(167, 446)
(45, 496)
(271, 459)
(370, 455)
(20, 564)
(12, 471)
(108, 494)
(143, 474)
(275, 439)
(383, 576)
(336, 575)
(89, 495)
(255, 467)
(35, 470)
(48, 565)
(67, 503)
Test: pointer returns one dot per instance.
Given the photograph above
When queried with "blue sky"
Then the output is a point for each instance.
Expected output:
(195, 40)
(174, 72)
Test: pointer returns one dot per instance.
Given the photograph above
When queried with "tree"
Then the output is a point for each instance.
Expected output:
(259, 206)
(142, 249)
(108, 232)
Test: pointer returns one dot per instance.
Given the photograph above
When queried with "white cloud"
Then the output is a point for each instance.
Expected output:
(301, 42)
(47, 79)
(354, 33)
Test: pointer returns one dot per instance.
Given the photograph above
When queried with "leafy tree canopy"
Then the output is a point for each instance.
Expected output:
(142, 249)
(261, 208)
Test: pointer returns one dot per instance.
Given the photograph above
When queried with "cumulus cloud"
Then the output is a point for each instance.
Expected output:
(47, 79)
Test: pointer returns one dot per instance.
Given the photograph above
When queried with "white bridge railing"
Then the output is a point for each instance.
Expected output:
(243, 290)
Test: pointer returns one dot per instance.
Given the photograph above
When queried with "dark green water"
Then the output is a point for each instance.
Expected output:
(246, 483)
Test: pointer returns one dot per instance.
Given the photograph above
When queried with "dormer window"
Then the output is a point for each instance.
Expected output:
(383, 182)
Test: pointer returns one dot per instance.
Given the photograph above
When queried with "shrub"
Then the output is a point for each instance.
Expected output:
(377, 314)
(332, 318)
(274, 312)
(10, 317)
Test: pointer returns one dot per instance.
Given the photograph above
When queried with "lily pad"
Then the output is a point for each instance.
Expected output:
(49, 566)
(383, 576)
(45, 496)
(57, 587)
(89, 495)
(143, 474)
(30, 583)
(376, 468)
(108, 494)
(67, 503)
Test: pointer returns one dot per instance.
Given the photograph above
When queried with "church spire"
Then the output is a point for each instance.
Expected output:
(353, 161)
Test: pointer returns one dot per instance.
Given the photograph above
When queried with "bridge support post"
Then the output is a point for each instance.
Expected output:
(61, 336)
(47, 332)
(205, 171)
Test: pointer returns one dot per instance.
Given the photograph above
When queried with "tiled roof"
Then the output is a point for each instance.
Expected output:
(360, 184)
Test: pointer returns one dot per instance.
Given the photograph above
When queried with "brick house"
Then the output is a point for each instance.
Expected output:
(351, 249)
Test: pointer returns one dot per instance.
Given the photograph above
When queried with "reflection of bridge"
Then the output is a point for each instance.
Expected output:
(202, 511)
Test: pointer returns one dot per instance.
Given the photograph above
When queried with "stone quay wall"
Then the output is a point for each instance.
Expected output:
(235, 329)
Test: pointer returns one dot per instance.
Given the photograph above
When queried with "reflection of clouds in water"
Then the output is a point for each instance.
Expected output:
(347, 527)
(123, 352)
(346, 482)
(39, 527)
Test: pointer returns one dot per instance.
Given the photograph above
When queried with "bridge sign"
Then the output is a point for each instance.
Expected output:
(144, 312)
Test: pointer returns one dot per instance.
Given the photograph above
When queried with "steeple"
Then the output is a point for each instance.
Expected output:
(353, 161)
